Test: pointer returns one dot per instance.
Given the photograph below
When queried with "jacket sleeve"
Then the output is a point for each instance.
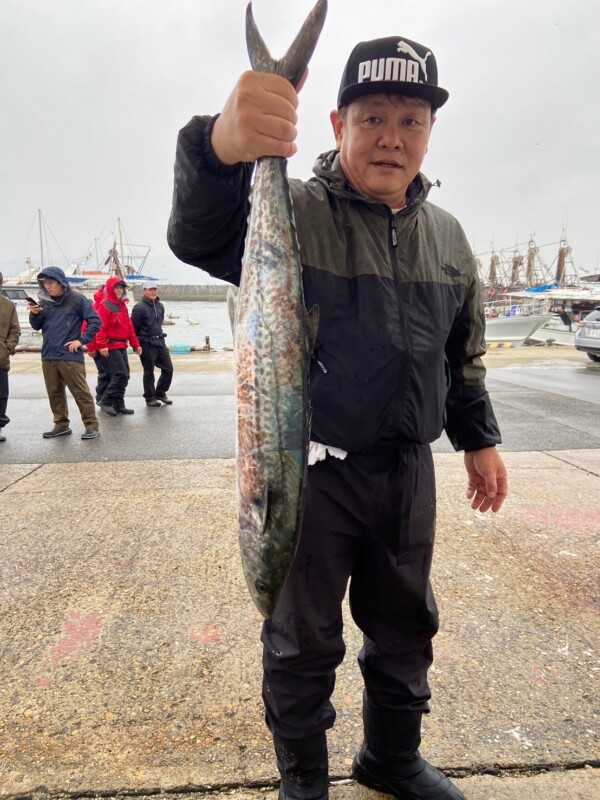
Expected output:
(14, 333)
(133, 340)
(208, 220)
(101, 339)
(136, 318)
(36, 320)
(92, 321)
(470, 420)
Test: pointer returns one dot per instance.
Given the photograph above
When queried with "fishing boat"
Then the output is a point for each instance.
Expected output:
(122, 260)
(525, 298)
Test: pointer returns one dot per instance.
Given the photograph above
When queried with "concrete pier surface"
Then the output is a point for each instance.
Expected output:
(131, 660)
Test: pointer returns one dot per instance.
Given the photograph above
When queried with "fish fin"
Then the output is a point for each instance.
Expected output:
(312, 326)
(260, 510)
(231, 302)
(293, 64)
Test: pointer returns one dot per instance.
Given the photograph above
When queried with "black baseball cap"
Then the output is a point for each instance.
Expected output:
(393, 65)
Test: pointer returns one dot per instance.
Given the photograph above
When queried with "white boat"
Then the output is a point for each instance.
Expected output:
(193, 321)
(515, 329)
(28, 278)
(554, 332)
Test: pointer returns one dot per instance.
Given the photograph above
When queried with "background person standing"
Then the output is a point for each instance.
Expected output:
(60, 316)
(100, 363)
(111, 342)
(10, 332)
(147, 317)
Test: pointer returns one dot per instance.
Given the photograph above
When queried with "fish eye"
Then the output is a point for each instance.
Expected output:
(261, 587)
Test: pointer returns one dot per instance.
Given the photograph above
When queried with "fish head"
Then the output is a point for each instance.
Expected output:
(265, 556)
(264, 595)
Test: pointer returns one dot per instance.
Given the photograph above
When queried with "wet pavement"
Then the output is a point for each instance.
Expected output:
(131, 660)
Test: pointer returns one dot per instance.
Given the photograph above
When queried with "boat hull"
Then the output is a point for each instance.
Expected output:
(515, 329)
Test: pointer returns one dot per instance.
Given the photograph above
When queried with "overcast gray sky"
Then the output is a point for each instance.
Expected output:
(93, 92)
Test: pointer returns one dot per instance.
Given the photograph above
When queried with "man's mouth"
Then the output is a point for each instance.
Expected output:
(387, 164)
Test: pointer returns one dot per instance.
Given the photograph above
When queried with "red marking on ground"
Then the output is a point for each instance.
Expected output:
(209, 635)
(569, 520)
(43, 682)
(80, 634)
(124, 564)
(539, 676)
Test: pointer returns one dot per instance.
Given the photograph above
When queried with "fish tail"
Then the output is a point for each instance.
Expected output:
(293, 64)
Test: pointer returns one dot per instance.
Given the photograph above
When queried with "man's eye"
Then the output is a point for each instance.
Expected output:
(372, 120)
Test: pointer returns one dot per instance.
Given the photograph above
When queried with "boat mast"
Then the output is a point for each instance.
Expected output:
(123, 265)
(563, 252)
(531, 254)
(41, 238)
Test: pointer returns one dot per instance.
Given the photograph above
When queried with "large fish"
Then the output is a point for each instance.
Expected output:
(273, 337)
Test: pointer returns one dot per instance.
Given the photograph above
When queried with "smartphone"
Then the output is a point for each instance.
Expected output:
(31, 301)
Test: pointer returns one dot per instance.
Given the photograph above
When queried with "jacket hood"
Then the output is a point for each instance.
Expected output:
(328, 170)
(99, 295)
(57, 274)
(110, 290)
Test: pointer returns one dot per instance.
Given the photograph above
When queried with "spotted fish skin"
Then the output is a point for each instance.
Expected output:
(273, 337)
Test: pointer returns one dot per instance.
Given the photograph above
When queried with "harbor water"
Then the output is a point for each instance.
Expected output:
(188, 323)
(212, 320)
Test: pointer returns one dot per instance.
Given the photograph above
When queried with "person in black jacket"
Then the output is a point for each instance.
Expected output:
(147, 317)
(397, 360)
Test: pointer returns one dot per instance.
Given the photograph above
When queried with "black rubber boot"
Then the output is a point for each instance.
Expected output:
(389, 760)
(303, 767)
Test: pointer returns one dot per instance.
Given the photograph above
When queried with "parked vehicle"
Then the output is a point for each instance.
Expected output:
(587, 337)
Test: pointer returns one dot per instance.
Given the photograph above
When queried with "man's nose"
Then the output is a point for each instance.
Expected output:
(390, 136)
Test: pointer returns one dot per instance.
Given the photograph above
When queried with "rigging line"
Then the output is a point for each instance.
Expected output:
(49, 230)
(27, 238)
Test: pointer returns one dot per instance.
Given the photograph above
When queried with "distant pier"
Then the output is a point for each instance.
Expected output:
(174, 291)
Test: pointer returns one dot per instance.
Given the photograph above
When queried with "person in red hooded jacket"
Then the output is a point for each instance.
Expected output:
(111, 343)
(100, 363)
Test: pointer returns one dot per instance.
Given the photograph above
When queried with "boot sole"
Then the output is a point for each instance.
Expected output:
(366, 778)
(362, 775)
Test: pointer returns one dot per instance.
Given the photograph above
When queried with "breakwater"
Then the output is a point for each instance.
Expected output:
(174, 291)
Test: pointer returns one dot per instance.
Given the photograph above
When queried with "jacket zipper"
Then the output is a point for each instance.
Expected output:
(403, 321)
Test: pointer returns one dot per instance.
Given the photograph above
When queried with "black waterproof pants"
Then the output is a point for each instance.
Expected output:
(4, 420)
(369, 519)
(155, 355)
(118, 364)
(104, 376)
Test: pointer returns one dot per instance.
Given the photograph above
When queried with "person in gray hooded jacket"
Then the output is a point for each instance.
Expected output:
(397, 360)
(60, 315)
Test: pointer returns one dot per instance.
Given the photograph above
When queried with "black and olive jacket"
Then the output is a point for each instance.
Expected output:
(401, 328)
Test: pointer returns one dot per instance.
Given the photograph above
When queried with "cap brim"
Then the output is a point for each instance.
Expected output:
(433, 94)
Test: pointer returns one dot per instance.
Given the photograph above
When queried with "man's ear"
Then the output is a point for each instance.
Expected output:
(337, 124)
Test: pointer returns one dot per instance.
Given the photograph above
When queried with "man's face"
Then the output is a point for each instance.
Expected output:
(382, 144)
(54, 288)
(119, 290)
(150, 294)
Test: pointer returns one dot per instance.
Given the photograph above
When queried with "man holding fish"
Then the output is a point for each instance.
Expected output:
(394, 361)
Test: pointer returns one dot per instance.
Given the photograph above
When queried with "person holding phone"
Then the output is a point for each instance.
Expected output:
(10, 331)
(60, 316)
